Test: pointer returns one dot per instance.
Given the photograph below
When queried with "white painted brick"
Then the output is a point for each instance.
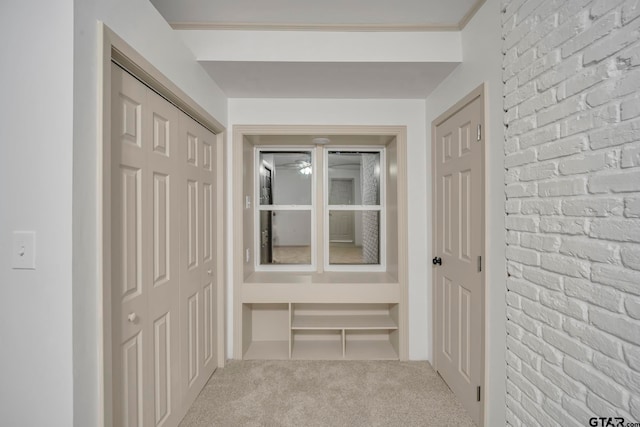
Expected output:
(520, 126)
(521, 223)
(535, 172)
(601, 406)
(521, 190)
(538, 67)
(632, 207)
(513, 238)
(543, 314)
(521, 158)
(600, 7)
(522, 94)
(539, 30)
(555, 374)
(525, 322)
(541, 207)
(585, 79)
(564, 265)
(632, 305)
(610, 45)
(619, 182)
(619, 372)
(630, 256)
(543, 278)
(540, 242)
(526, 355)
(621, 230)
(562, 147)
(518, 33)
(548, 352)
(634, 407)
(558, 415)
(515, 363)
(514, 269)
(597, 383)
(630, 108)
(569, 29)
(592, 207)
(593, 293)
(512, 206)
(599, 29)
(627, 84)
(512, 145)
(518, 410)
(620, 278)
(590, 249)
(514, 331)
(594, 338)
(590, 119)
(535, 409)
(630, 156)
(567, 345)
(564, 109)
(561, 303)
(574, 9)
(512, 176)
(577, 409)
(537, 103)
(514, 300)
(543, 384)
(563, 187)
(561, 225)
(609, 136)
(522, 287)
(511, 419)
(630, 11)
(615, 324)
(540, 136)
(583, 163)
(632, 356)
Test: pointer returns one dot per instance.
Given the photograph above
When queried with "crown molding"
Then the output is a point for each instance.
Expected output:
(256, 26)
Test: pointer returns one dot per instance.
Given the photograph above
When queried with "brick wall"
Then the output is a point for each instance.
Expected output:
(572, 168)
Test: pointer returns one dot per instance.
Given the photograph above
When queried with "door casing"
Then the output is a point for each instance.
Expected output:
(478, 92)
(113, 48)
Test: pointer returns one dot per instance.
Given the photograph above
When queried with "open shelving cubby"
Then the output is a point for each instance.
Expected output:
(321, 331)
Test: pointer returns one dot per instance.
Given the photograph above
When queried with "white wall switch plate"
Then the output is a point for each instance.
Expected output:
(24, 250)
(247, 202)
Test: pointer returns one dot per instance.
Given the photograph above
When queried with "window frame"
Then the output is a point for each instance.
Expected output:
(257, 207)
(381, 207)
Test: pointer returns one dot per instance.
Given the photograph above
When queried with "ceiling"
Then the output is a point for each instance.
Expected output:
(341, 80)
(310, 12)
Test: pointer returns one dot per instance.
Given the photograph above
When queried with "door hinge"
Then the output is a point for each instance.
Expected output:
(478, 394)
(480, 263)
(479, 136)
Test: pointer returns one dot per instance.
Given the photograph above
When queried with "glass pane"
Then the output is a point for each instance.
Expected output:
(354, 178)
(285, 178)
(354, 237)
(285, 237)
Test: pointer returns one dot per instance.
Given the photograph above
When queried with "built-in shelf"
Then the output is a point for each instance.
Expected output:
(321, 331)
(343, 322)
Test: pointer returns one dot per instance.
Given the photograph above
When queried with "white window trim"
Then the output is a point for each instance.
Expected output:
(257, 207)
(382, 267)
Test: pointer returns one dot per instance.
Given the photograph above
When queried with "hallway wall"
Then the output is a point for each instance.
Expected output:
(573, 210)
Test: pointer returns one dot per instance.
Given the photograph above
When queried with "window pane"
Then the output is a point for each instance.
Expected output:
(354, 237)
(285, 237)
(354, 178)
(285, 178)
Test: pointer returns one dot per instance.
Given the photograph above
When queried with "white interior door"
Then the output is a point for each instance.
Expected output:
(342, 223)
(197, 261)
(458, 233)
(145, 284)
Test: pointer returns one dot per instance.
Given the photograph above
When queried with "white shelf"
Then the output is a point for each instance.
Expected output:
(316, 350)
(333, 322)
(370, 350)
(267, 350)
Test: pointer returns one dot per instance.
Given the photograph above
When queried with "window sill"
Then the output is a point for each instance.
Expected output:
(329, 277)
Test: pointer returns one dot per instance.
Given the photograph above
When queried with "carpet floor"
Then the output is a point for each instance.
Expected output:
(326, 393)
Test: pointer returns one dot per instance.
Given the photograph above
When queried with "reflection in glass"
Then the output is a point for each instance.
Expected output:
(354, 237)
(285, 178)
(354, 178)
(285, 237)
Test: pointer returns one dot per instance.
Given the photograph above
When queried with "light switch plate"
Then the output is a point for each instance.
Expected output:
(24, 250)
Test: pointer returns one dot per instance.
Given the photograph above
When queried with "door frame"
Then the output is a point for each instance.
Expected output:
(478, 92)
(113, 48)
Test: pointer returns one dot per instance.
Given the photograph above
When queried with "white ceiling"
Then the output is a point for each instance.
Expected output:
(347, 80)
(385, 12)
(322, 78)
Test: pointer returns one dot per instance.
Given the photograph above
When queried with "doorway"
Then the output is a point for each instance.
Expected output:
(342, 223)
(458, 249)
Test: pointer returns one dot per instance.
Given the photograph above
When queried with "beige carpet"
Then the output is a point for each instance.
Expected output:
(319, 393)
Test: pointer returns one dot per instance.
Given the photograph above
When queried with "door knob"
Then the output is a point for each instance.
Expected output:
(132, 317)
(209, 272)
(437, 261)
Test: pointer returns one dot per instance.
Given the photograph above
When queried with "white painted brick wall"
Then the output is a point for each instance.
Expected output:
(572, 157)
